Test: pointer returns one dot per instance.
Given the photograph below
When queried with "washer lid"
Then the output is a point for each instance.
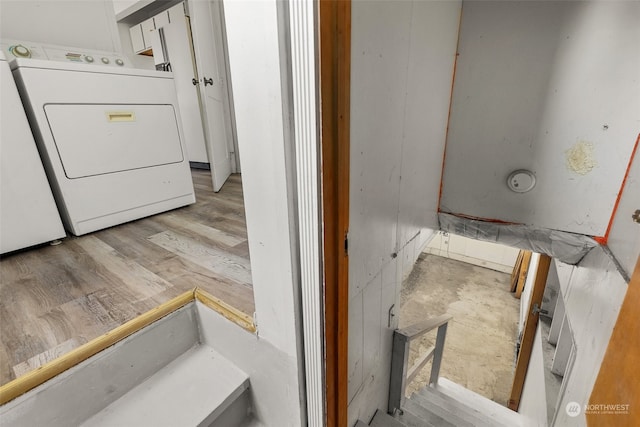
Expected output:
(100, 139)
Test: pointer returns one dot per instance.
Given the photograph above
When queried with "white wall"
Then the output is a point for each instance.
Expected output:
(254, 59)
(86, 24)
(534, 80)
(533, 403)
(272, 373)
(593, 292)
(401, 73)
(122, 5)
(252, 31)
(527, 291)
(477, 252)
(624, 239)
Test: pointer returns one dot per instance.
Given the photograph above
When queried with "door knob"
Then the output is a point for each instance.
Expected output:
(208, 81)
(194, 81)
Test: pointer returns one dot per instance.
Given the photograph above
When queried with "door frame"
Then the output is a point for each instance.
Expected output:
(334, 33)
(529, 331)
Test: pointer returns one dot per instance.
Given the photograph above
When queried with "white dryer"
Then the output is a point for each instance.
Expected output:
(110, 136)
(28, 213)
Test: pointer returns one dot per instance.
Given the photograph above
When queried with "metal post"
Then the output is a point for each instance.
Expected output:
(399, 358)
(437, 355)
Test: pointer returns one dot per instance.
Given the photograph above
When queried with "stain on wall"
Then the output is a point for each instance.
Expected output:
(580, 158)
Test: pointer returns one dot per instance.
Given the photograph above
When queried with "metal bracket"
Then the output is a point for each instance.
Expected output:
(391, 315)
(346, 243)
(538, 310)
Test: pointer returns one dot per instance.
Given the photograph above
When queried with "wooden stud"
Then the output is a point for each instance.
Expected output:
(516, 271)
(524, 271)
(45, 372)
(335, 71)
(618, 382)
(529, 333)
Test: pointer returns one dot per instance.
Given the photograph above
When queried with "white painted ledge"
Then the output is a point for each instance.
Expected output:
(192, 390)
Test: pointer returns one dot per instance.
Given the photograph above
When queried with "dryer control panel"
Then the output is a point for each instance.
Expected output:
(23, 49)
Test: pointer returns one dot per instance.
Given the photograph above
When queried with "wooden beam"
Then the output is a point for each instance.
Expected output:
(618, 381)
(335, 70)
(524, 271)
(529, 333)
(516, 271)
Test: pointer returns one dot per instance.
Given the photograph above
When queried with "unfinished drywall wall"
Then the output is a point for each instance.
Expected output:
(593, 292)
(76, 23)
(535, 89)
(624, 238)
(483, 254)
(401, 73)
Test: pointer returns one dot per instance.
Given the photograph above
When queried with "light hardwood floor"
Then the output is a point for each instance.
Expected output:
(56, 298)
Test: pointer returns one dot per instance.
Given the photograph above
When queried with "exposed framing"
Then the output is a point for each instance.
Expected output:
(522, 273)
(335, 72)
(529, 332)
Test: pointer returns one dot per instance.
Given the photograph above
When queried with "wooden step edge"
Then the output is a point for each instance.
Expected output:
(382, 419)
(478, 418)
(498, 413)
(424, 414)
(44, 373)
(409, 419)
(446, 413)
(227, 311)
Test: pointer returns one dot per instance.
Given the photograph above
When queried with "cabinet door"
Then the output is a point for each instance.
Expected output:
(161, 19)
(137, 41)
(147, 27)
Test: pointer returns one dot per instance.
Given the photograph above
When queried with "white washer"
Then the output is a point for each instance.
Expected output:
(110, 136)
(28, 213)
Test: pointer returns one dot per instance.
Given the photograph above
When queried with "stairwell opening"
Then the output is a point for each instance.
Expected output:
(482, 286)
(469, 280)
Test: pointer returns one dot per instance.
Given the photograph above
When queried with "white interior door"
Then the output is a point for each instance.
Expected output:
(178, 43)
(206, 29)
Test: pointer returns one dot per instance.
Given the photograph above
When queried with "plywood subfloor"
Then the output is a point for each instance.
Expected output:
(56, 298)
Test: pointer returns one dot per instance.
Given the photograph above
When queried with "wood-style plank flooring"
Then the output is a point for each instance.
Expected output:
(56, 298)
